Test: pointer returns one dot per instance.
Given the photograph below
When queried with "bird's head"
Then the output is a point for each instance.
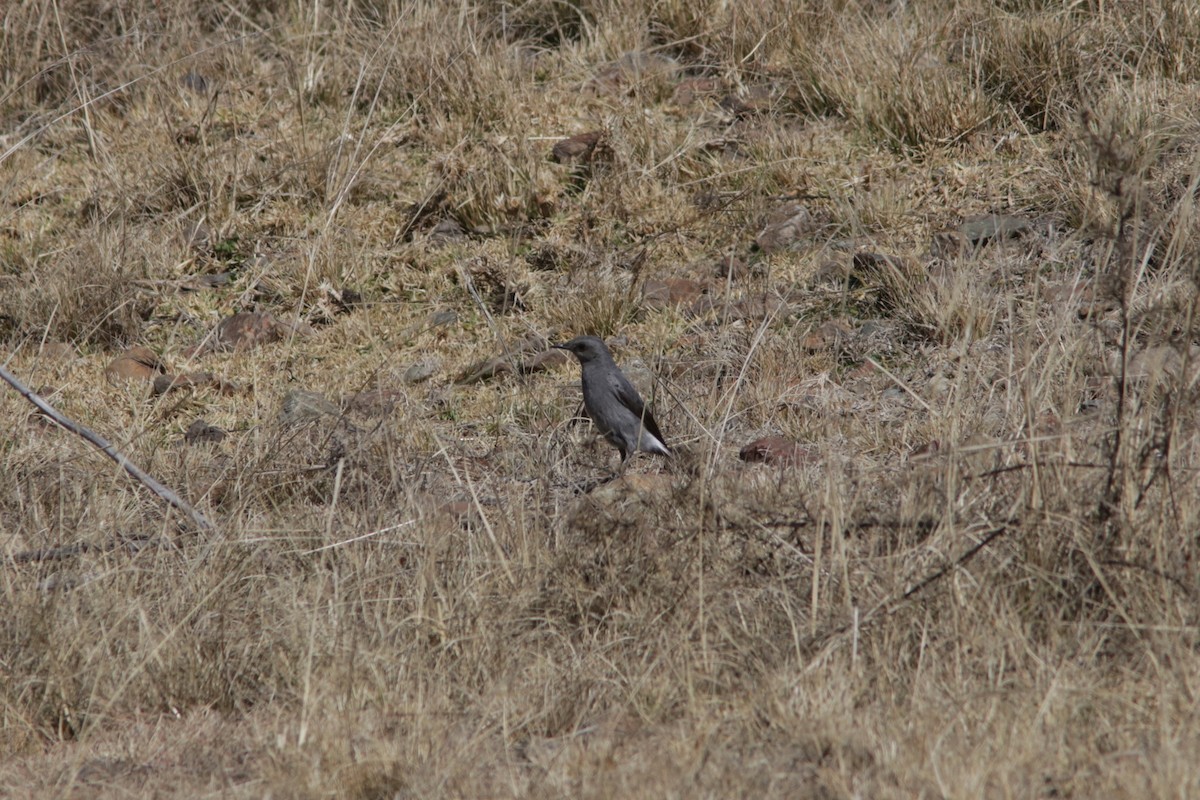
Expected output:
(585, 348)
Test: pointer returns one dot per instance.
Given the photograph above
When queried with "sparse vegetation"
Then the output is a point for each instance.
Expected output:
(944, 252)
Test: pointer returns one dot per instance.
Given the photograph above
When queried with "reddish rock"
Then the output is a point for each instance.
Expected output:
(135, 364)
(778, 451)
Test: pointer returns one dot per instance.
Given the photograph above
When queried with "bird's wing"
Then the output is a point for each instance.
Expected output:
(630, 398)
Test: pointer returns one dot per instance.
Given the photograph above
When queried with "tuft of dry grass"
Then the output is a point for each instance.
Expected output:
(945, 251)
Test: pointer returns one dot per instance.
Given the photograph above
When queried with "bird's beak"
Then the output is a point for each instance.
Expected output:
(560, 347)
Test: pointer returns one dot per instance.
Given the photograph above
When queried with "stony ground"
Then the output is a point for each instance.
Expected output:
(911, 288)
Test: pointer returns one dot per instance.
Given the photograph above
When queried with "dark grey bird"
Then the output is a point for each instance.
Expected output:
(613, 404)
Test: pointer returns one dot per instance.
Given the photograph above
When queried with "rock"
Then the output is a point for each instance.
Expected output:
(500, 365)
(975, 232)
(657, 295)
(165, 383)
(200, 432)
(135, 364)
(641, 376)
(423, 370)
(785, 225)
(778, 451)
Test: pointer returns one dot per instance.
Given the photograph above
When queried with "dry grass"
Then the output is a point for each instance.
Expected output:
(979, 580)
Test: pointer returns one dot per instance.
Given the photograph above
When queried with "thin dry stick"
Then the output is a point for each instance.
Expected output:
(108, 450)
